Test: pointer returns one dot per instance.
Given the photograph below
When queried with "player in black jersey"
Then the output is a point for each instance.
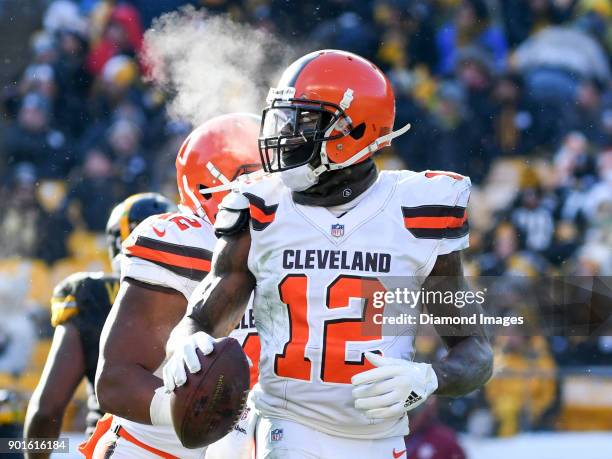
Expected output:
(79, 307)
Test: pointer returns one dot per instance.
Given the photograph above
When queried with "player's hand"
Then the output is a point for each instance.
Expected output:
(393, 388)
(184, 355)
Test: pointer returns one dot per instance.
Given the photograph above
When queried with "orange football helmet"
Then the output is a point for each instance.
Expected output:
(330, 110)
(213, 155)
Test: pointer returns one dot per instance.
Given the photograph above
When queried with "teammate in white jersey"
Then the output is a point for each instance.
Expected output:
(327, 233)
(163, 261)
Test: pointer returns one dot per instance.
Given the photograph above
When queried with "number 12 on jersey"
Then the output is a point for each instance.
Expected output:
(293, 362)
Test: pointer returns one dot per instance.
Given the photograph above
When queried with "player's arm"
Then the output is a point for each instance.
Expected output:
(63, 371)
(132, 347)
(226, 291)
(469, 361)
(396, 385)
(215, 308)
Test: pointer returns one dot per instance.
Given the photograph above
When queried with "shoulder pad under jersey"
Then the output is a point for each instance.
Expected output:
(233, 215)
(169, 250)
(434, 206)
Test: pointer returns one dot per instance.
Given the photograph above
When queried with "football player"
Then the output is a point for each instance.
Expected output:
(80, 305)
(316, 240)
(164, 259)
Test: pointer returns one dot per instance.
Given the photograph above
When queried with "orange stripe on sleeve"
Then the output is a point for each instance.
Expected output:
(434, 222)
(258, 215)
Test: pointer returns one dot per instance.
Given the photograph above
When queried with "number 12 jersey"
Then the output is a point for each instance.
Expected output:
(316, 275)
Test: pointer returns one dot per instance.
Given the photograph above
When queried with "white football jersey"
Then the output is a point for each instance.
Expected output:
(174, 250)
(314, 270)
(171, 250)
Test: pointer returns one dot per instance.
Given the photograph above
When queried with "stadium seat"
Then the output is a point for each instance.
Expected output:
(586, 401)
(29, 379)
(88, 253)
(26, 282)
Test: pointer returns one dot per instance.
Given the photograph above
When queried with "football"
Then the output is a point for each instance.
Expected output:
(209, 404)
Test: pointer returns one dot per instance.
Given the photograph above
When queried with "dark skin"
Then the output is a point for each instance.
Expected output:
(227, 288)
(469, 362)
(64, 370)
(467, 366)
(132, 347)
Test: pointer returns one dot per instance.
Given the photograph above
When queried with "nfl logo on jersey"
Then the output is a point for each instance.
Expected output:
(337, 230)
(276, 435)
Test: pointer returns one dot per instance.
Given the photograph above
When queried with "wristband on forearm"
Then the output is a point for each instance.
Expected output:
(160, 408)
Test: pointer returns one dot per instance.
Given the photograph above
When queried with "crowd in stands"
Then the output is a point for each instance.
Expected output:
(517, 94)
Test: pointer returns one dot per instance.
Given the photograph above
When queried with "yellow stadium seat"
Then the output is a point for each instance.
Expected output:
(40, 283)
(39, 356)
(29, 379)
(84, 244)
(8, 381)
(28, 382)
(65, 267)
(26, 282)
(586, 403)
(90, 249)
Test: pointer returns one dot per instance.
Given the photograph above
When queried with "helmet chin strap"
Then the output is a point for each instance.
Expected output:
(340, 124)
(196, 203)
(373, 147)
(303, 177)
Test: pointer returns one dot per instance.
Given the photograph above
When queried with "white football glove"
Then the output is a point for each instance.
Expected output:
(183, 351)
(393, 388)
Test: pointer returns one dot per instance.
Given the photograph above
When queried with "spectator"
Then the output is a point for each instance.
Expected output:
(599, 199)
(63, 15)
(525, 17)
(517, 397)
(32, 139)
(589, 115)
(17, 340)
(122, 35)
(23, 221)
(349, 32)
(415, 149)
(471, 27)
(533, 220)
(73, 82)
(556, 59)
(565, 242)
(505, 246)
(132, 168)
(575, 173)
(474, 72)
(407, 32)
(429, 437)
(40, 79)
(457, 132)
(521, 125)
(114, 87)
(96, 192)
(43, 48)
(594, 259)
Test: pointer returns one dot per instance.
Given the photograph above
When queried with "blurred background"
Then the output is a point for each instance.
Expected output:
(517, 94)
